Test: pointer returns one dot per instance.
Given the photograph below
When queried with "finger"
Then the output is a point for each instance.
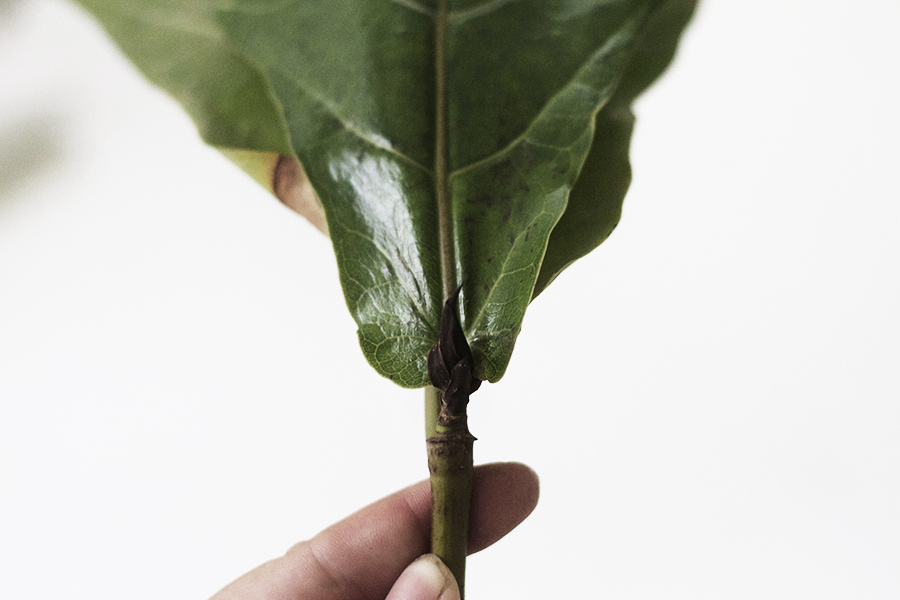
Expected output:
(503, 494)
(427, 578)
(364, 554)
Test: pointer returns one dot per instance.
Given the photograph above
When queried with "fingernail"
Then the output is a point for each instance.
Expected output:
(427, 578)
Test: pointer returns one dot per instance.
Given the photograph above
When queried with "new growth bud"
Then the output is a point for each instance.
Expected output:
(450, 363)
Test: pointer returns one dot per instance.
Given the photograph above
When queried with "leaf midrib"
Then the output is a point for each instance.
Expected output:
(441, 184)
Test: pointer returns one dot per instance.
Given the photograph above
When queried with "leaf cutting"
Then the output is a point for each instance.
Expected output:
(462, 152)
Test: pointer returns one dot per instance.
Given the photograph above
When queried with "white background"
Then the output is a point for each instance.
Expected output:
(711, 399)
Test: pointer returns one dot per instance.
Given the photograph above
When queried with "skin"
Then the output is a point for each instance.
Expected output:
(376, 549)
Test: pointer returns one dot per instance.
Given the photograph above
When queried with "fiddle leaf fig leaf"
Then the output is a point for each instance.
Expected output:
(595, 203)
(481, 143)
(179, 46)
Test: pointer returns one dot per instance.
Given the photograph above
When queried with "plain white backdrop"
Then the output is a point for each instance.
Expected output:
(711, 399)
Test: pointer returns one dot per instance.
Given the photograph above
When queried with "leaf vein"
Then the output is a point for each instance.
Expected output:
(409, 292)
(465, 14)
(503, 271)
(483, 333)
(348, 124)
(387, 338)
(415, 6)
(185, 21)
(368, 290)
(547, 109)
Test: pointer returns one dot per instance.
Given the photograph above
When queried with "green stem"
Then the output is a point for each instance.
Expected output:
(432, 409)
(450, 465)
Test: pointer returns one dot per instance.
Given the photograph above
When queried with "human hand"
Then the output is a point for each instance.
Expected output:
(372, 554)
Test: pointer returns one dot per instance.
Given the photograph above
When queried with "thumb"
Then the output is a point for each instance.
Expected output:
(427, 578)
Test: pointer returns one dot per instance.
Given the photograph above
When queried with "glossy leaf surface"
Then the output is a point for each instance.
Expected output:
(449, 142)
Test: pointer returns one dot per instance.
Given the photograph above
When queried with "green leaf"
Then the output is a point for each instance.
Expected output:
(595, 203)
(481, 142)
(179, 46)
